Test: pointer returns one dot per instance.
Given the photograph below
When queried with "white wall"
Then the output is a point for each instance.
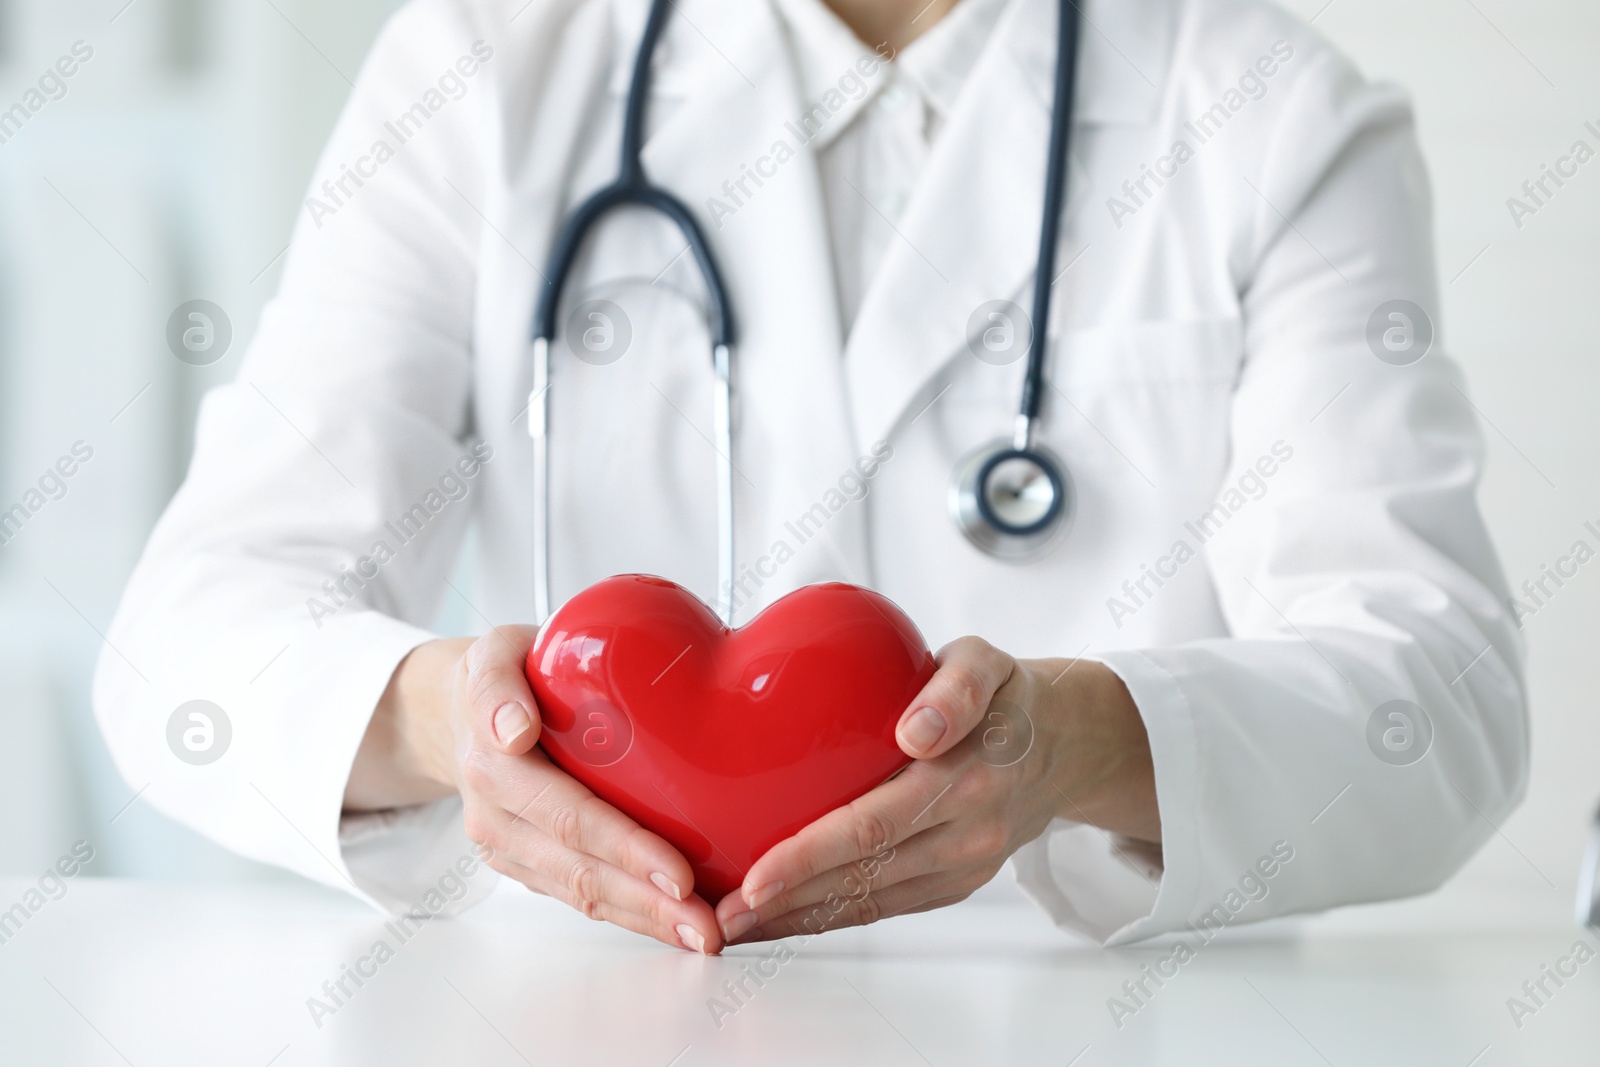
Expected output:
(171, 170)
(178, 159)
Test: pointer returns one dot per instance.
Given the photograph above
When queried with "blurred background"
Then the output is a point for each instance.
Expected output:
(171, 168)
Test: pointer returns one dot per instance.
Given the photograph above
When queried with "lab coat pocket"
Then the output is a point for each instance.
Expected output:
(1147, 403)
(1143, 403)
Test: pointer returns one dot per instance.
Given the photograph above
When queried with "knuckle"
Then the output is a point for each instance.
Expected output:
(481, 660)
(972, 786)
(869, 909)
(871, 832)
(566, 827)
(965, 688)
(582, 883)
(968, 646)
(477, 774)
(479, 828)
(984, 841)
(489, 660)
(480, 689)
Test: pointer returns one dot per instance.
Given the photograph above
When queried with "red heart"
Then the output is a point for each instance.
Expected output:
(723, 741)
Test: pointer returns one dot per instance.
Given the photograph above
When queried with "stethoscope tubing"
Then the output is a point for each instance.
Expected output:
(1055, 185)
(633, 188)
(589, 214)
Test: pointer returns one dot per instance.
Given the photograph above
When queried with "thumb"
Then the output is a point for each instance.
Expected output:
(503, 711)
(955, 699)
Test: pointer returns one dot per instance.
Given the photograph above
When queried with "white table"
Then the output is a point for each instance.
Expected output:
(119, 972)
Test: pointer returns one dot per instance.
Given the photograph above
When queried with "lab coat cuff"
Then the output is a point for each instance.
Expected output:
(401, 861)
(416, 862)
(1114, 889)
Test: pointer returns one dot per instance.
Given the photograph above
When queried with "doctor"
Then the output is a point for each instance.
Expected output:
(1264, 665)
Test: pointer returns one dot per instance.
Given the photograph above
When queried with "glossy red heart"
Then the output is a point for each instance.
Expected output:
(723, 741)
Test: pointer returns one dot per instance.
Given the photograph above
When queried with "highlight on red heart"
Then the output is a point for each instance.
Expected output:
(725, 741)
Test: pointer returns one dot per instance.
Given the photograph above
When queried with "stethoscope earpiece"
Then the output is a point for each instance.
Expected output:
(1012, 502)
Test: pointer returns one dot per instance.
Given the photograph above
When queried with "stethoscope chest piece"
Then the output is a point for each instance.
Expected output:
(1012, 502)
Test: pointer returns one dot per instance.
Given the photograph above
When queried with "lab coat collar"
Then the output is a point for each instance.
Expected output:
(970, 233)
(942, 59)
(937, 62)
(727, 85)
(1124, 53)
(1123, 59)
(824, 49)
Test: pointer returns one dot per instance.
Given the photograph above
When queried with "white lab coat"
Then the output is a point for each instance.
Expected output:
(1199, 326)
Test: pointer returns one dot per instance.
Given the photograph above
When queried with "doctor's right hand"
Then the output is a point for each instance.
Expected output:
(460, 714)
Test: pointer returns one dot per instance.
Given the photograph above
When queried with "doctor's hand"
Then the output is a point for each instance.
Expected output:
(1001, 747)
(459, 716)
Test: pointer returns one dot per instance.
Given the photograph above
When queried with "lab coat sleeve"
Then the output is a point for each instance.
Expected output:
(325, 504)
(1361, 574)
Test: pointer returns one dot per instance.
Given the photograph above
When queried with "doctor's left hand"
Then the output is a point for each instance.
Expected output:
(458, 717)
(1001, 746)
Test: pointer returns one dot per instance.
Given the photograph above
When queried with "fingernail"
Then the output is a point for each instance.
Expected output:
(923, 730)
(510, 722)
(691, 938)
(667, 885)
(760, 896)
(739, 925)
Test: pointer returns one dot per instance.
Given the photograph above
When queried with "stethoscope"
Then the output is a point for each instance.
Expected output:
(1010, 497)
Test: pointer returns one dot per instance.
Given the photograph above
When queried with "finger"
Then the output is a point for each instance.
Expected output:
(916, 894)
(587, 883)
(970, 672)
(653, 918)
(941, 848)
(539, 792)
(933, 905)
(865, 827)
(786, 926)
(503, 712)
